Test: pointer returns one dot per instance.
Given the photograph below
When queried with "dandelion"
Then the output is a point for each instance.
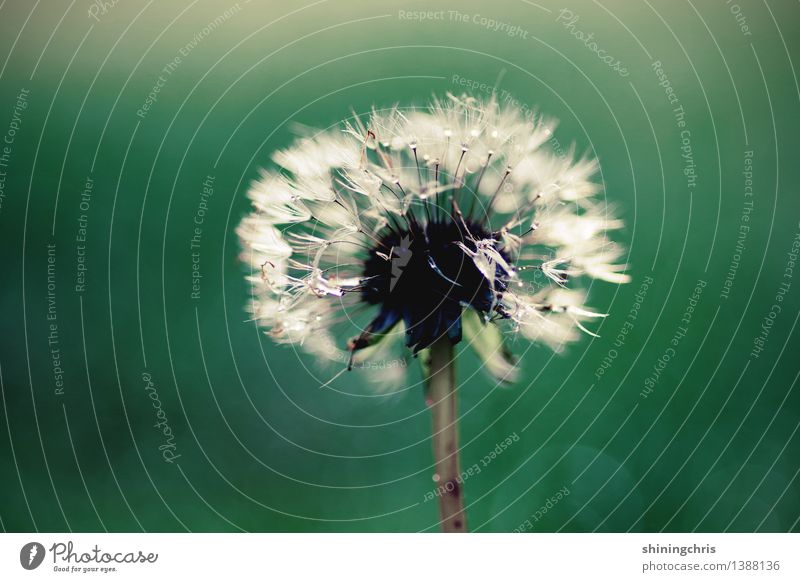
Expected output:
(449, 223)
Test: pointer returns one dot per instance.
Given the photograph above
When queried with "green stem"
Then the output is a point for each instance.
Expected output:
(442, 398)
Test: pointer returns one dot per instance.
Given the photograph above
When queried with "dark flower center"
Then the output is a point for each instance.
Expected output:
(426, 281)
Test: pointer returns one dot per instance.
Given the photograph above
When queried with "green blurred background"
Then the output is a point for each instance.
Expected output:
(257, 444)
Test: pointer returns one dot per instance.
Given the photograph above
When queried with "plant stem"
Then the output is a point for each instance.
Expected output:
(442, 398)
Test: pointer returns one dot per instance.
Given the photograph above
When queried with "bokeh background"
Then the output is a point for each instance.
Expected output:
(98, 316)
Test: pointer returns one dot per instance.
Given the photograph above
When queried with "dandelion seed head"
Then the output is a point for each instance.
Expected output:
(407, 226)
